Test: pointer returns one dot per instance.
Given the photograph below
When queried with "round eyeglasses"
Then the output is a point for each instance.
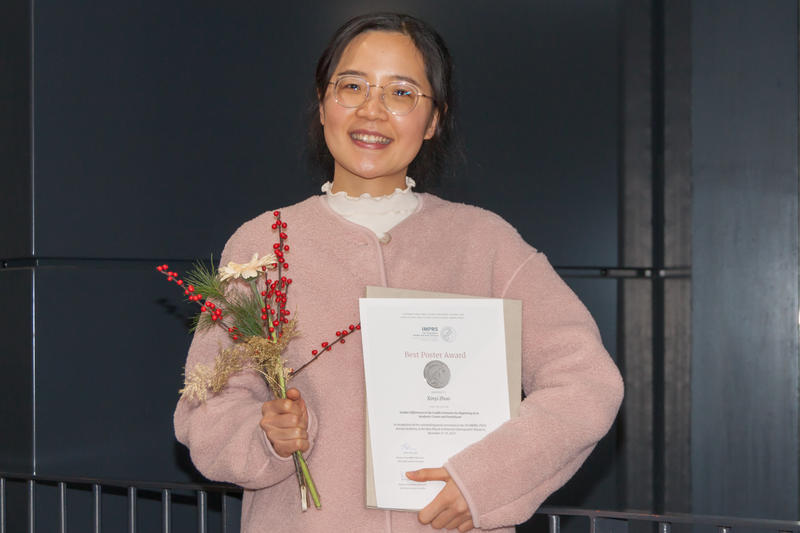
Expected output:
(399, 97)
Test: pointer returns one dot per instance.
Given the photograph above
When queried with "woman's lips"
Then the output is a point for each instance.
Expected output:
(369, 139)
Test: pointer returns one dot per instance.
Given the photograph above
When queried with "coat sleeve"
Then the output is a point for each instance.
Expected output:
(223, 434)
(573, 391)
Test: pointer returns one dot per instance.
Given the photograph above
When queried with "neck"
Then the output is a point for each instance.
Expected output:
(356, 186)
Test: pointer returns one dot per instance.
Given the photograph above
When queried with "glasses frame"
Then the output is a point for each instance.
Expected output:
(369, 85)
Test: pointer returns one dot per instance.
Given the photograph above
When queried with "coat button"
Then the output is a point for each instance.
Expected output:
(386, 239)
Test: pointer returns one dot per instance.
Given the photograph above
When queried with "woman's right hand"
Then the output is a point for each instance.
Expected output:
(285, 422)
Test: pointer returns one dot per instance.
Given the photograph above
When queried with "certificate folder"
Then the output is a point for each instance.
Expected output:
(512, 325)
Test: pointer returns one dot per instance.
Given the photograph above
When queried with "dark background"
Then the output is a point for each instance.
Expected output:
(125, 124)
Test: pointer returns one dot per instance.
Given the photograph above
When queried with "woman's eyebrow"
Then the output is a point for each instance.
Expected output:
(397, 77)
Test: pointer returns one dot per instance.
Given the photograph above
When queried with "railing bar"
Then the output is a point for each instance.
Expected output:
(723, 529)
(202, 505)
(131, 509)
(31, 511)
(2, 505)
(592, 524)
(555, 523)
(166, 509)
(97, 499)
(62, 507)
(223, 511)
(664, 527)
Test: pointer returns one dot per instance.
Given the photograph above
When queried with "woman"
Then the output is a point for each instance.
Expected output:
(385, 110)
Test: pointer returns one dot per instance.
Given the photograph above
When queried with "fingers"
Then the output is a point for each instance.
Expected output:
(285, 423)
(428, 474)
(448, 509)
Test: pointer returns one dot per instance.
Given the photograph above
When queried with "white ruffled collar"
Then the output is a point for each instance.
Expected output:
(364, 208)
(410, 184)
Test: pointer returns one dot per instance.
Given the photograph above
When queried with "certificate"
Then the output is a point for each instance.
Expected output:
(437, 380)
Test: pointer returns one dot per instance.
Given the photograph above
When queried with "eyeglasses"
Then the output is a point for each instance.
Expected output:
(399, 97)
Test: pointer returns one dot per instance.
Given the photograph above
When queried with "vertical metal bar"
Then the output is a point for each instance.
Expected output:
(664, 527)
(555, 523)
(97, 498)
(723, 529)
(166, 509)
(2, 505)
(223, 511)
(202, 505)
(31, 511)
(592, 524)
(62, 507)
(131, 509)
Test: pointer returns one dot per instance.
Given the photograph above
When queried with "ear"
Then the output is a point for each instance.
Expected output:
(321, 114)
(430, 131)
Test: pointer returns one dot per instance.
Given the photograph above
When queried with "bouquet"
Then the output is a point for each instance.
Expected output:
(258, 322)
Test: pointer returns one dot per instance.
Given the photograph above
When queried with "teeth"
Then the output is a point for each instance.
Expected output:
(372, 139)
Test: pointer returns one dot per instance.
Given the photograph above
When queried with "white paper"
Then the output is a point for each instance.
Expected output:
(436, 381)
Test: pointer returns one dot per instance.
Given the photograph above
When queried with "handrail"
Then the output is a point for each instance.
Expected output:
(677, 518)
(724, 524)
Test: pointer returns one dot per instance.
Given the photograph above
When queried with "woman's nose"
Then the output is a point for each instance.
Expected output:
(373, 107)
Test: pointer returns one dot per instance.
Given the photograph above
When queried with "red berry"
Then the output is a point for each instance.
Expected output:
(342, 341)
(169, 278)
(214, 318)
(283, 225)
(313, 352)
(230, 330)
(324, 344)
(275, 323)
(191, 288)
(263, 317)
(276, 213)
(289, 281)
(158, 268)
(287, 312)
(164, 267)
(263, 293)
(199, 296)
(274, 226)
(285, 266)
(271, 329)
(235, 337)
(338, 333)
(283, 235)
(186, 292)
(352, 327)
(203, 308)
(358, 326)
(286, 248)
(179, 282)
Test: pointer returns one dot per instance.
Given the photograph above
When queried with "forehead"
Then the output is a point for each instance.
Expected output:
(382, 55)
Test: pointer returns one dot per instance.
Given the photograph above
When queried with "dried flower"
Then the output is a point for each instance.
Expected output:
(248, 270)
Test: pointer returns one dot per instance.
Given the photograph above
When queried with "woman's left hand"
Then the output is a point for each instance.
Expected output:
(449, 509)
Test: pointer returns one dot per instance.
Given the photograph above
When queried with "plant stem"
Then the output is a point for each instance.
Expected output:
(299, 455)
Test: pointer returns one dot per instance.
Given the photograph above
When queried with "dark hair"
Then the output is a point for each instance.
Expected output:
(429, 164)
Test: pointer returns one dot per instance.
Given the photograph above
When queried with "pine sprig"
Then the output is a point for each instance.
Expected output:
(245, 312)
(205, 280)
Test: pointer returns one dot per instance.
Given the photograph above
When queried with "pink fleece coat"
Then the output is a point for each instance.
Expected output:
(573, 388)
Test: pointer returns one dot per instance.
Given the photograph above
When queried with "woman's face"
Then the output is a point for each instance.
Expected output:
(371, 147)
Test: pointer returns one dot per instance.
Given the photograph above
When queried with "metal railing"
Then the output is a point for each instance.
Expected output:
(597, 519)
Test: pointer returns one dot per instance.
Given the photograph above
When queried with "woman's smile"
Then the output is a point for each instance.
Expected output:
(369, 139)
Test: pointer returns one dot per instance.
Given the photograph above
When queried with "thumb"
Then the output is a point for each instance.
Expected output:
(293, 394)
(428, 474)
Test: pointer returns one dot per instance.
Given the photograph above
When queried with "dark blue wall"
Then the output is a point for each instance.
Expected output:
(745, 445)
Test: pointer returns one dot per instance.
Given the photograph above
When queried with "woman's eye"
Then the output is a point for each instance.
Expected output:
(353, 87)
(402, 92)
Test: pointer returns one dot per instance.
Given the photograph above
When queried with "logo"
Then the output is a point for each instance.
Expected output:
(448, 334)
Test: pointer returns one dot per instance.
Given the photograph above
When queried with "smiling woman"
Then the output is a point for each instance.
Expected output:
(372, 145)
(385, 113)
